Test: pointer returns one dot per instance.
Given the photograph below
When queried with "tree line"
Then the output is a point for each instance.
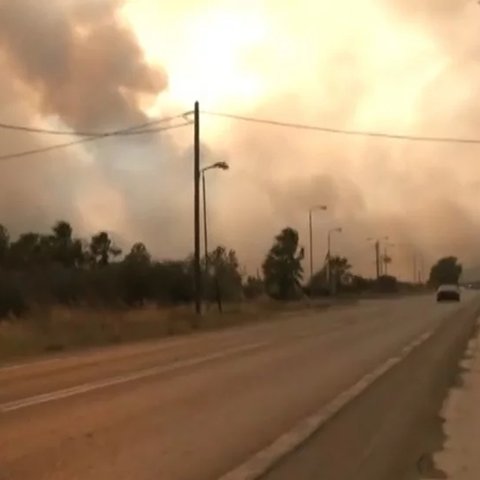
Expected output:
(60, 268)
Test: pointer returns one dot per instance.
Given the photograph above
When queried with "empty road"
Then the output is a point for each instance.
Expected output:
(193, 408)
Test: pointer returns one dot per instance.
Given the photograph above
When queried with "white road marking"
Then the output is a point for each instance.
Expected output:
(118, 380)
(112, 352)
(108, 353)
(264, 460)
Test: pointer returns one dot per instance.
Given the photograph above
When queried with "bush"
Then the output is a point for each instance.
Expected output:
(387, 284)
(12, 299)
(253, 287)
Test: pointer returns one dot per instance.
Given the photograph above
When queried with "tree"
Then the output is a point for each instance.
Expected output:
(253, 287)
(4, 244)
(66, 250)
(340, 272)
(30, 250)
(173, 281)
(62, 232)
(224, 280)
(387, 284)
(138, 255)
(446, 270)
(102, 249)
(282, 267)
(340, 277)
(137, 275)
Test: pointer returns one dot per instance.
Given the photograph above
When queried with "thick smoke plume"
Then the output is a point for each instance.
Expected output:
(81, 63)
(386, 65)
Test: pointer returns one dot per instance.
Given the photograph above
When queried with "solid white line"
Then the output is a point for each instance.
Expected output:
(150, 372)
(265, 459)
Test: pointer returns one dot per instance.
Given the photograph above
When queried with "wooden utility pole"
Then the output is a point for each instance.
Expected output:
(415, 269)
(196, 202)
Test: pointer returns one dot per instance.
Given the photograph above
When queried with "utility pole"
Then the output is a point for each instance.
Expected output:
(377, 258)
(310, 228)
(206, 279)
(311, 243)
(205, 228)
(421, 274)
(196, 202)
(385, 261)
(415, 271)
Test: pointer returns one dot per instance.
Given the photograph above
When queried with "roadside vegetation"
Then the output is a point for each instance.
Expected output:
(446, 271)
(58, 291)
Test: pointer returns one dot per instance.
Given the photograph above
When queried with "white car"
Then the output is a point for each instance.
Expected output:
(448, 293)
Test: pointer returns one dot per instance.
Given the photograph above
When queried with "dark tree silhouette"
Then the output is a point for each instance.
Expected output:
(340, 276)
(66, 250)
(225, 280)
(57, 268)
(63, 232)
(446, 270)
(253, 287)
(137, 276)
(30, 250)
(138, 255)
(4, 245)
(282, 267)
(340, 271)
(102, 249)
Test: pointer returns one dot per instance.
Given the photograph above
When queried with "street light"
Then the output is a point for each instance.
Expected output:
(315, 208)
(386, 258)
(377, 253)
(329, 244)
(221, 166)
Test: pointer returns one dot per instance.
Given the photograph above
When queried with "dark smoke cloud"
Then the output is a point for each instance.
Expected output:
(423, 196)
(82, 63)
(77, 62)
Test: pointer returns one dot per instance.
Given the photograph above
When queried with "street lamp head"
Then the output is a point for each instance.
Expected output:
(221, 165)
(318, 207)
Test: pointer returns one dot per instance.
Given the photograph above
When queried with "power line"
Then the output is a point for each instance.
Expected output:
(130, 131)
(340, 131)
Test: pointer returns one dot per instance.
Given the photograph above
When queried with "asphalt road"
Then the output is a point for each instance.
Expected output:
(193, 408)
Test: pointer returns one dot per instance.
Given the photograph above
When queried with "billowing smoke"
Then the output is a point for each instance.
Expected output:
(78, 64)
(81, 63)
(384, 65)
(392, 66)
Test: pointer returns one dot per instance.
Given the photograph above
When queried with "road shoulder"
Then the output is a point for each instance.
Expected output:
(460, 457)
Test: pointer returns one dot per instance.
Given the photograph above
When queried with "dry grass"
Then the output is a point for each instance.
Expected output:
(60, 329)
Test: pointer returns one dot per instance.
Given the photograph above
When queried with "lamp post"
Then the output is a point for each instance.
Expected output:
(329, 246)
(310, 212)
(221, 166)
(196, 210)
(377, 255)
(378, 260)
(386, 258)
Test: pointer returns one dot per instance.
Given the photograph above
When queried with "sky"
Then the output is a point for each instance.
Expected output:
(396, 66)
